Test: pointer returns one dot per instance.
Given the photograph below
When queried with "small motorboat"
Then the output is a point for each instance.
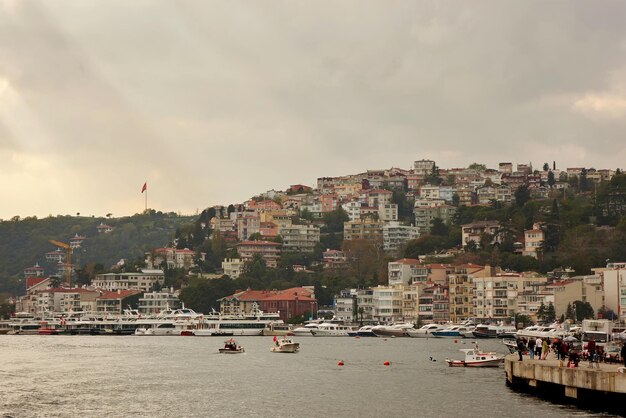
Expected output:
(231, 347)
(476, 358)
(285, 345)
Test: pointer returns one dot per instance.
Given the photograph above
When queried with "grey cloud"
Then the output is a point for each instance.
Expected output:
(215, 101)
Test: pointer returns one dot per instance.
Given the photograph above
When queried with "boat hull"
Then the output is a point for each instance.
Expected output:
(226, 351)
(485, 363)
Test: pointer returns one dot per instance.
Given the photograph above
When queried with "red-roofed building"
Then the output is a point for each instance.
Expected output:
(438, 273)
(113, 302)
(34, 271)
(56, 256)
(289, 302)
(76, 241)
(263, 205)
(269, 230)
(104, 228)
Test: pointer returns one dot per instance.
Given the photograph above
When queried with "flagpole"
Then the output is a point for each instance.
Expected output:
(146, 199)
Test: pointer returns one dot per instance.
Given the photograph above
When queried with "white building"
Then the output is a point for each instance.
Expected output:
(353, 209)
(233, 267)
(614, 280)
(395, 235)
(144, 280)
(154, 302)
(406, 271)
(387, 304)
(344, 305)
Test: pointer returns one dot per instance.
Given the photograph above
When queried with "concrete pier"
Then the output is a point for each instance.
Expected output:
(601, 384)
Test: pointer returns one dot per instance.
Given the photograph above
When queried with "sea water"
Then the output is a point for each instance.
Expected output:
(106, 376)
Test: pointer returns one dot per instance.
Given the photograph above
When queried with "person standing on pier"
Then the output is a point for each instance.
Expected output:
(538, 347)
(623, 353)
(531, 348)
(545, 349)
(591, 351)
(520, 348)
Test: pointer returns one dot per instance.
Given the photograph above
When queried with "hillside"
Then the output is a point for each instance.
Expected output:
(24, 242)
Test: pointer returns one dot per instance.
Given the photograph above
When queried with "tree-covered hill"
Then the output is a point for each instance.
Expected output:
(24, 242)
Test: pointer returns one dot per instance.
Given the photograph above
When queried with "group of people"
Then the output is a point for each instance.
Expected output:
(541, 347)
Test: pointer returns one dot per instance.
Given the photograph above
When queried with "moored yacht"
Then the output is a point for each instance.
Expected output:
(454, 331)
(425, 331)
(395, 330)
(332, 330)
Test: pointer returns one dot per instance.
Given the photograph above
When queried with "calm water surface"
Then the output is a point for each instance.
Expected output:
(102, 376)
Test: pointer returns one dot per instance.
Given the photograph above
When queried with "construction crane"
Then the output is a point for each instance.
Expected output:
(68, 260)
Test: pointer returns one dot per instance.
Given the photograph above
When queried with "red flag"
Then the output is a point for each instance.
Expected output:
(145, 187)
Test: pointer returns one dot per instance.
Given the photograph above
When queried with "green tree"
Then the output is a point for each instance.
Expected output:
(477, 167)
(583, 310)
(550, 314)
(55, 282)
(551, 179)
(456, 199)
(546, 166)
(522, 195)
(333, 221)
(541, 312)
(438, 227)
(583, 182)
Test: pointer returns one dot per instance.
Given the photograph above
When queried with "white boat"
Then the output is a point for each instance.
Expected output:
(425, 331)
(285, 345)
(455, 331)
(395, 330)
(332, 330)
(365, 331)
(492, 331)
(476, 358)
(231, 347)
(305, 331)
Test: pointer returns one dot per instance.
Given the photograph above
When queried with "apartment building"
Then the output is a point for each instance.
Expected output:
(407, 271)
(270, 251)
(396, 235)
(300, 237)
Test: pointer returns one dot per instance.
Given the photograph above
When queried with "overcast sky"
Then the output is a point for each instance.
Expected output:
(212, 102)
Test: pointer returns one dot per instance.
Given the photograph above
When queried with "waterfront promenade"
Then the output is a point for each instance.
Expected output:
(604, 383)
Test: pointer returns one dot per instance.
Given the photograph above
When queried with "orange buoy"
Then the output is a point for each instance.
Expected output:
(340, 363)
(455, 341)
(357, 337)
(387, 363)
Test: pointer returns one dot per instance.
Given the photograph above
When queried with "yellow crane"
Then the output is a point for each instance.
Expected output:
(68, 260)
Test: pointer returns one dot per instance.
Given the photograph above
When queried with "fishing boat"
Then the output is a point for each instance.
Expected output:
(285, 345)
(231, 347)
(476, 358)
